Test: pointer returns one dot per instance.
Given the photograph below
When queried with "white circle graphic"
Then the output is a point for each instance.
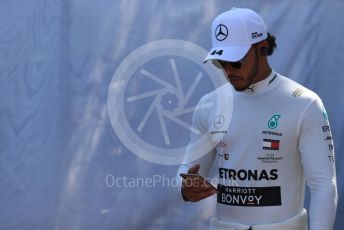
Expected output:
(169, 94)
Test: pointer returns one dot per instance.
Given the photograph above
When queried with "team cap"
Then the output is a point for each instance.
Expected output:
(233, 32)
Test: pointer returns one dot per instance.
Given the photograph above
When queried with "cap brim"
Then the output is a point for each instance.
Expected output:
(231, 54)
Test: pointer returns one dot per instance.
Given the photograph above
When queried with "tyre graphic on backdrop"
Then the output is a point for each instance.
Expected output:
(152, 97)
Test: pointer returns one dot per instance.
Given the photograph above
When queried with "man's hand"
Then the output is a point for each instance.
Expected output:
(194, 189)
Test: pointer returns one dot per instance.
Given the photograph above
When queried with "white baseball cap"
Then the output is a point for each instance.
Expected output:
(233, 32)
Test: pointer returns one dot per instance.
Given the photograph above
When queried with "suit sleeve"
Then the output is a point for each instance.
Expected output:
(200, 149)
(317, 156)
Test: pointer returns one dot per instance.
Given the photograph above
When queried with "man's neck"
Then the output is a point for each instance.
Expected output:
(263, 73)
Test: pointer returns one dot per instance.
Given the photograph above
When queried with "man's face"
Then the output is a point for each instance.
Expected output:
(241, 78)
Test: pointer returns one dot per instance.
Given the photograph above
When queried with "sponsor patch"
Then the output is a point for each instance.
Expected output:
(270, 158)
(297, 92)
(269, 144)
(249, 196)
(226, 156)
(256, 35)
(221, 145)
(328, 138)
(272, 133)
(325, 113)
(330, 147)
(248, 174)
(273, 122)
(218, 132)
(331, 158)
(326, 128)
(221, 32)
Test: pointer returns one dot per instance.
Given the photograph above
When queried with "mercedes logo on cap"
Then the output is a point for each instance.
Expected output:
(221, 32)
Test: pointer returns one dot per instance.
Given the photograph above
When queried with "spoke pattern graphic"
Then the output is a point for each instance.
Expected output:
(154, 122)
(159, 93)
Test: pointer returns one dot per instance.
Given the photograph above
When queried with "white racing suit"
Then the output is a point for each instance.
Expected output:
(275, 139)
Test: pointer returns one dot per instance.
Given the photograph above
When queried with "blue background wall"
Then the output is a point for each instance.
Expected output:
(58, 148)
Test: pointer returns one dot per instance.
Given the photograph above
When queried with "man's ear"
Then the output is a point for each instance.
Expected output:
(264, 50)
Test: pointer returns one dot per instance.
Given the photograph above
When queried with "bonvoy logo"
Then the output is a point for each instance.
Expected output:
(249, 196)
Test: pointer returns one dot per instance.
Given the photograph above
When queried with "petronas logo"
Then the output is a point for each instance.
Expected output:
(325, 113)
(297, 92)
(273, 122)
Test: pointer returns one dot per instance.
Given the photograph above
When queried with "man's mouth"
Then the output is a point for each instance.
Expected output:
(233, 79)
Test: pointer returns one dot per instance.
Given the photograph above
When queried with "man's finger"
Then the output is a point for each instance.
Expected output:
(196, 185)
(200, 196)
(194, 169)
(199, 190)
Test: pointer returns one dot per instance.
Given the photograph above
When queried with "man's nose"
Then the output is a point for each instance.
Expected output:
(228, 69)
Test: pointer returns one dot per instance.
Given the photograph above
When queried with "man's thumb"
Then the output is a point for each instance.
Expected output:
(194, 169)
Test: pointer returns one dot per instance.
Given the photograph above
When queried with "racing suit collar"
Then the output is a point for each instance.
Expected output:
(261, 86)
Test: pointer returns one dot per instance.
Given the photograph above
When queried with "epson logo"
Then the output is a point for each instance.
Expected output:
(242, 174)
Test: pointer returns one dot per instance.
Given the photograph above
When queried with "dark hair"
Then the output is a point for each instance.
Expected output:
(272, 43)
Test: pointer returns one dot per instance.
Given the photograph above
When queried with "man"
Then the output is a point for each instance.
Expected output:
(278, 138)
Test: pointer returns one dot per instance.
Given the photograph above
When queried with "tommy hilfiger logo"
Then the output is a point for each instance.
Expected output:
(269, 144)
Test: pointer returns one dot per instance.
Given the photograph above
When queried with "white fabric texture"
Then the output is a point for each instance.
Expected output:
(298, 222)
(60, 156)
(294, 120)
